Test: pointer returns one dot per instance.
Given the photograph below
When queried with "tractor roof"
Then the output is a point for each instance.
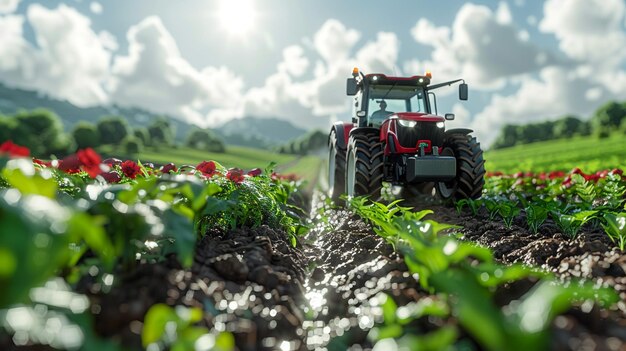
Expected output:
(379, 78)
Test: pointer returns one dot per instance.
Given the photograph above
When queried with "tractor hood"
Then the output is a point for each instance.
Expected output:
(418, 117)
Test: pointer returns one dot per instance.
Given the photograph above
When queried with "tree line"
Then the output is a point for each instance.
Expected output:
(43, 133)
(306, 144)
(609, 118)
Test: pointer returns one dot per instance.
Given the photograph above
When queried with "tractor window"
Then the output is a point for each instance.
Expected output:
(396, 99)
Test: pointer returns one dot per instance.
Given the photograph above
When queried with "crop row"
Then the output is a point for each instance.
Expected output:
(570, 200)
(463, 278)
(65, 218)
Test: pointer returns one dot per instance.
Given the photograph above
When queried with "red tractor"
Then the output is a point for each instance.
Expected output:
(395, 137)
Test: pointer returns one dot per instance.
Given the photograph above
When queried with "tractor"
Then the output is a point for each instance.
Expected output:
(397, 137)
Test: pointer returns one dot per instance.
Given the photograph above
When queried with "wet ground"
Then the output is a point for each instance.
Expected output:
(324, 293)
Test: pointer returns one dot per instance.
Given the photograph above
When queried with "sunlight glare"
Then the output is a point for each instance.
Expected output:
(237, 16)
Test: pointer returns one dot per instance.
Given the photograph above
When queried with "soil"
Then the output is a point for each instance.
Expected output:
(323, 293)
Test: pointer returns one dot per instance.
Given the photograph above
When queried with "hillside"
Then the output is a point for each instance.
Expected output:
(251, 131)
(256, 131)
(588, 153)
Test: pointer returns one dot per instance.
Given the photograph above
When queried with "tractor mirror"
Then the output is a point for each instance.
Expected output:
(449, 116)
(361, 114)
(463, 91)
(351, 87)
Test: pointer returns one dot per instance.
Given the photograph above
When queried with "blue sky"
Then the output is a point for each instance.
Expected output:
(524, 60)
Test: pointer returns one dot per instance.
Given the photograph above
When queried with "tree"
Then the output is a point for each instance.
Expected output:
(507, 138)
(142, 134)
(132, 145)
(7, 128)
(42, 132)
(609, 115)
(567, 127)
(161, 132)
(204, 139)
(112, 129)
(86, 135)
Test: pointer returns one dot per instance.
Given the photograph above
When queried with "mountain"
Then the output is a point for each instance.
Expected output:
(247, 131)
(264, 132)
(13, 100)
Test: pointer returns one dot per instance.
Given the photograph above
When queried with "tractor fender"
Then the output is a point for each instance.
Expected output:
(361, 130)
(342, 130)
(464, 131)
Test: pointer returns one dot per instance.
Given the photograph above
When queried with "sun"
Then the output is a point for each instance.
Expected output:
(237, 16)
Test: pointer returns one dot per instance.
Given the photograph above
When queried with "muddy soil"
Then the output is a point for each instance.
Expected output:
(323, 294)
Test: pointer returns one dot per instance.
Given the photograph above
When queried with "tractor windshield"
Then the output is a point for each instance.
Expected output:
(384, 100)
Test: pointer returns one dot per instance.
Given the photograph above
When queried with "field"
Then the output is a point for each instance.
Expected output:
(587, 153)
(123, 256)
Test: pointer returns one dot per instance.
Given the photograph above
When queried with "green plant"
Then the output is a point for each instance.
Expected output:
(174, 328)
(508, 211)
(536, 215)
(615, 228)
(570, 223)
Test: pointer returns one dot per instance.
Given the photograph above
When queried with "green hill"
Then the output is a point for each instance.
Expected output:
(588, 153)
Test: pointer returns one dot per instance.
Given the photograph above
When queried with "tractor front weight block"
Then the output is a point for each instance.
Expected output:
(430, 168)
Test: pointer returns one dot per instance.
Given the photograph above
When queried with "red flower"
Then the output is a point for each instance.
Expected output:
(111, 177)
(207, 168)
(255, 172)
(41, 162)
(70, 164)
(112, 161)
(130, 169)
(90, 161)
(518, 175)
(567, 182)
(556, 174)
(235, 175)
(617, 171)
(577, 171)
(169, 168)
(14, 150)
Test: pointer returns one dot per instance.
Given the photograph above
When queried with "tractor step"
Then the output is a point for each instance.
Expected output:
(430, 168)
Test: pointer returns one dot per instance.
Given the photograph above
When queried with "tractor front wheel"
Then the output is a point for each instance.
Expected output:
(336, 168)
(470, 168)
(364, 174)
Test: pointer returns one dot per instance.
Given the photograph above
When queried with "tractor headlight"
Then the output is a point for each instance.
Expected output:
(409, 124)
(440, 124)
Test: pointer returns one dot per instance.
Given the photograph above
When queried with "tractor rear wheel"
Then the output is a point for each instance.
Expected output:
(470, 168)
(336, 167)
(364, 174)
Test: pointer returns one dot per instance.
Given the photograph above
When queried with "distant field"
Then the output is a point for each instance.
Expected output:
(235, 156)
(587, 153)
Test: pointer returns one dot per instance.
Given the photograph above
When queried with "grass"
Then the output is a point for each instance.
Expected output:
(235, 156)
(307, 167)
(585, 152)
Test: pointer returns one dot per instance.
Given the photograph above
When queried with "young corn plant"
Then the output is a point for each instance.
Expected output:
(474, 205)
(615, 227)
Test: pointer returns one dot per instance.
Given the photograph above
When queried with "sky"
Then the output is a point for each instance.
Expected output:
(209, 61)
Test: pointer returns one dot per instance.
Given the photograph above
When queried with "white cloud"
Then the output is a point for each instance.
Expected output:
(294, 61)
(334, 41)
(95, 7)
(588, 30)
(380, 55)
(483, 47)
(155, 76)
(71, 61)
(558, 92)
(8, 6)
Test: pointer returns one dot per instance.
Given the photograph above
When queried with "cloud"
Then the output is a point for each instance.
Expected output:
(557, 92)
(95, 7)
(155, 76)
(70, 61)
(380, 55)
(334, 41)
(482, 46)
(8, 6)
(588, 30)
(294, 61)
